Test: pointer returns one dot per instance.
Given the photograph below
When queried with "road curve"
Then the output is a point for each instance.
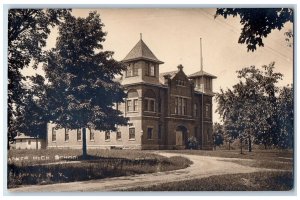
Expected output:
(203, 166)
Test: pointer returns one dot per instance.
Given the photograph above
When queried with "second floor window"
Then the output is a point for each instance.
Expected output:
(207, 111)
(180, 106)
(149, 104)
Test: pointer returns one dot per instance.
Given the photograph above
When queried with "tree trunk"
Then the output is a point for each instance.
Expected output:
(249, 143)
(84, 154)
(241, 145)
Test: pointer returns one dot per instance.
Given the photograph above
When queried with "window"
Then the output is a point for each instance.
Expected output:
(79, 134)
(118, 135)
(180, 106)
(66, 134)
(184, 106)
(149, 101)
(53, 134)
(159, 132)
(132, 101)
(149, 133)
(149, 105)
(135, 105)
(180, 83)
(129, 105)
(129, 71)
(92, 135)
(135, 70)
(152, 105)
(152, 70)
(195, 110)
(207, 110)
(131, 133)
(107, 135)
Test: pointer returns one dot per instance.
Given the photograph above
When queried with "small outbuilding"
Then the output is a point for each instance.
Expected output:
(27, 142)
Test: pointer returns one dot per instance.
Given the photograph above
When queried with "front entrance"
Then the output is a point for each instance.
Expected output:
(181, 136)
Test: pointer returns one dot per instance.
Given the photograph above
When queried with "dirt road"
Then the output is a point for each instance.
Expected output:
(203, 166)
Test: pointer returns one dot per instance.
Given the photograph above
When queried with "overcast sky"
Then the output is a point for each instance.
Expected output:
(173, 35)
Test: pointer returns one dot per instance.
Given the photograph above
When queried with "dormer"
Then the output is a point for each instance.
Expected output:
(203, 81)
(142, 65)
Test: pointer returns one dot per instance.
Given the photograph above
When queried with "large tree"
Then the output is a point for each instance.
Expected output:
(250, 108)
(28, 30)
(81, 92)
(286, 117)
(258, 23)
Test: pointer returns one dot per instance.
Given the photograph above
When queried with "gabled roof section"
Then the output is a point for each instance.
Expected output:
(171, 74)
(141, 51)
(201, 73)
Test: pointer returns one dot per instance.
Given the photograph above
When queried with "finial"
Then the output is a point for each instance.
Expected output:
(141, 36)
(180, 67)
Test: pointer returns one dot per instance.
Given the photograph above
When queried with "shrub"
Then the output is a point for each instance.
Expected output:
(192, 143)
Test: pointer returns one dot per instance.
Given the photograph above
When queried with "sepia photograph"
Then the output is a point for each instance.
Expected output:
(150, 99)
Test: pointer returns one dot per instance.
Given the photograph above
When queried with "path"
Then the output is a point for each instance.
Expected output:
(203, 166)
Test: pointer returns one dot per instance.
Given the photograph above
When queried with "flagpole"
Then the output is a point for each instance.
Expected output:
(202, 90)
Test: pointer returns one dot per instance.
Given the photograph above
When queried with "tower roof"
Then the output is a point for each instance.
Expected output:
(141, 51)
(201, 73)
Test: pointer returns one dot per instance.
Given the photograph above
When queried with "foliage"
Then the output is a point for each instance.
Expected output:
(286, 117)
(257, 181)
(218, 133)
(81, 91)
(192, 143)
(258, 23)
(28, 30)
(251, 110)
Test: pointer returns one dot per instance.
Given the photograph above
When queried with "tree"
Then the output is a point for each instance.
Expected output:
(258, 23)
(218, 134)
(81, 92)
(28, 30)
(249, 109)
(286, 117)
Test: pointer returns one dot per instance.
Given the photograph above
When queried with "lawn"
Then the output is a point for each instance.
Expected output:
(101, 164)
(257, 154)
(258, 181)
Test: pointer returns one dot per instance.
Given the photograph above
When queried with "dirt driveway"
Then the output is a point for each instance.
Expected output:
(203, 166)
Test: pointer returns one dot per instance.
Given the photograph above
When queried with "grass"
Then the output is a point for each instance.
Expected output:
(257, 181)
(110, 164)
(274, 154)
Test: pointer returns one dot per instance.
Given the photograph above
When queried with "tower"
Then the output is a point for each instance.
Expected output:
(142, 65)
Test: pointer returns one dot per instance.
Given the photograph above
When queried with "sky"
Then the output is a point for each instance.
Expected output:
(174, 35)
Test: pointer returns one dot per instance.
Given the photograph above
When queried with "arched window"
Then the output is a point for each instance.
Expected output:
(149, 101)
(132, 100)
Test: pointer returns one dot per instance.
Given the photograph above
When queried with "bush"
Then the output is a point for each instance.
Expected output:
(192, 143)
